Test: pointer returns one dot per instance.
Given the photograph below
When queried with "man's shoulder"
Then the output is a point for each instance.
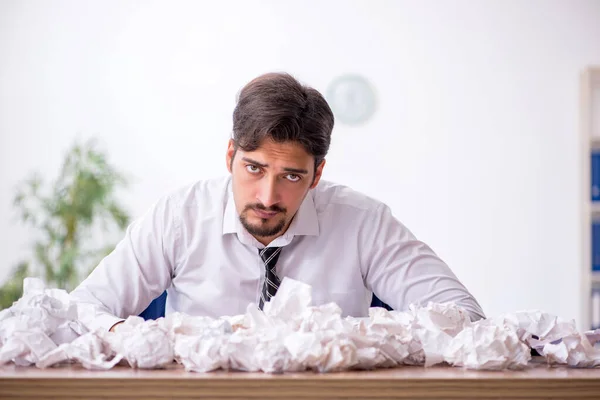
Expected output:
(331, 194)
(205, 192)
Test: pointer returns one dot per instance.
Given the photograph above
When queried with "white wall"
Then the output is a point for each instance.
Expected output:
(474, 145)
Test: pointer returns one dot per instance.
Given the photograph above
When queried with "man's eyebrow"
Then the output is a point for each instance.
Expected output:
(251, 161)
(292, 170)
(296, 171)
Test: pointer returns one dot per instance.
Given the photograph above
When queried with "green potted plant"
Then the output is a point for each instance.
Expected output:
(70, 219)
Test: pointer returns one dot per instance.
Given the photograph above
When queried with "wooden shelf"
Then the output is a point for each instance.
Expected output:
(590, 83)
(595, 208)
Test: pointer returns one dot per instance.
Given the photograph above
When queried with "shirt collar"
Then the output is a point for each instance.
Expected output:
(230, 217)
(305, 221)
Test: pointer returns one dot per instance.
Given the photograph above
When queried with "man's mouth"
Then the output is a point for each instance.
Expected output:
(265, 214)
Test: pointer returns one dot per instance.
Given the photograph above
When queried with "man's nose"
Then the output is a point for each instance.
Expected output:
(268, 193)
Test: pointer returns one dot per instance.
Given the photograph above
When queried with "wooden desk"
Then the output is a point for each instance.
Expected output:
(70, 382)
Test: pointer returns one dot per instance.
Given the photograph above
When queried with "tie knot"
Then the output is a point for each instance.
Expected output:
(269, 255)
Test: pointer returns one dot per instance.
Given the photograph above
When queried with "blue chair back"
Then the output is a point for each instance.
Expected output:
(375, 302)
(156, 309)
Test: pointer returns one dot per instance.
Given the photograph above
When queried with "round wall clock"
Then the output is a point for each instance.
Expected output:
(352, 99)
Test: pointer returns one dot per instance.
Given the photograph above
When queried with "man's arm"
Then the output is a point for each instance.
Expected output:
(401, 270)
(135, 273)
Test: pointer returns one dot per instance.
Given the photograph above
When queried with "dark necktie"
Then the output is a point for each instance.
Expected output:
(269, 256)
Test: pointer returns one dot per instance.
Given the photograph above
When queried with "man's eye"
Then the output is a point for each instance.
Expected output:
(253, 169)
(292, 178)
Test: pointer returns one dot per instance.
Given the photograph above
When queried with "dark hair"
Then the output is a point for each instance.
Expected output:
(277, 106)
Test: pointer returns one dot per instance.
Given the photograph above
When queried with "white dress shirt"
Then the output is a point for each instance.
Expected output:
(344, 244)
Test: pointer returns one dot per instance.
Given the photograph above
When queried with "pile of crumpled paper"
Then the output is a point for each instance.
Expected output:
(42, 329)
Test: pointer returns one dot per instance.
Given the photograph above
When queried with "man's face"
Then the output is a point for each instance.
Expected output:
(269, 185)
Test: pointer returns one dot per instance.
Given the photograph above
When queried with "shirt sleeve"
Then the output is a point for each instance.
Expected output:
(402, 270)
(137, 271)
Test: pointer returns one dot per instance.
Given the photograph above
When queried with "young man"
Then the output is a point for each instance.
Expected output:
(221, 244)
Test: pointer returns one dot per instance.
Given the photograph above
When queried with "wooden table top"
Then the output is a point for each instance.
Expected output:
(68, 382)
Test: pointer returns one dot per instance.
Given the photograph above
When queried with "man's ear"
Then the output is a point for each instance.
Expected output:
(318, 173)
(230, 154)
